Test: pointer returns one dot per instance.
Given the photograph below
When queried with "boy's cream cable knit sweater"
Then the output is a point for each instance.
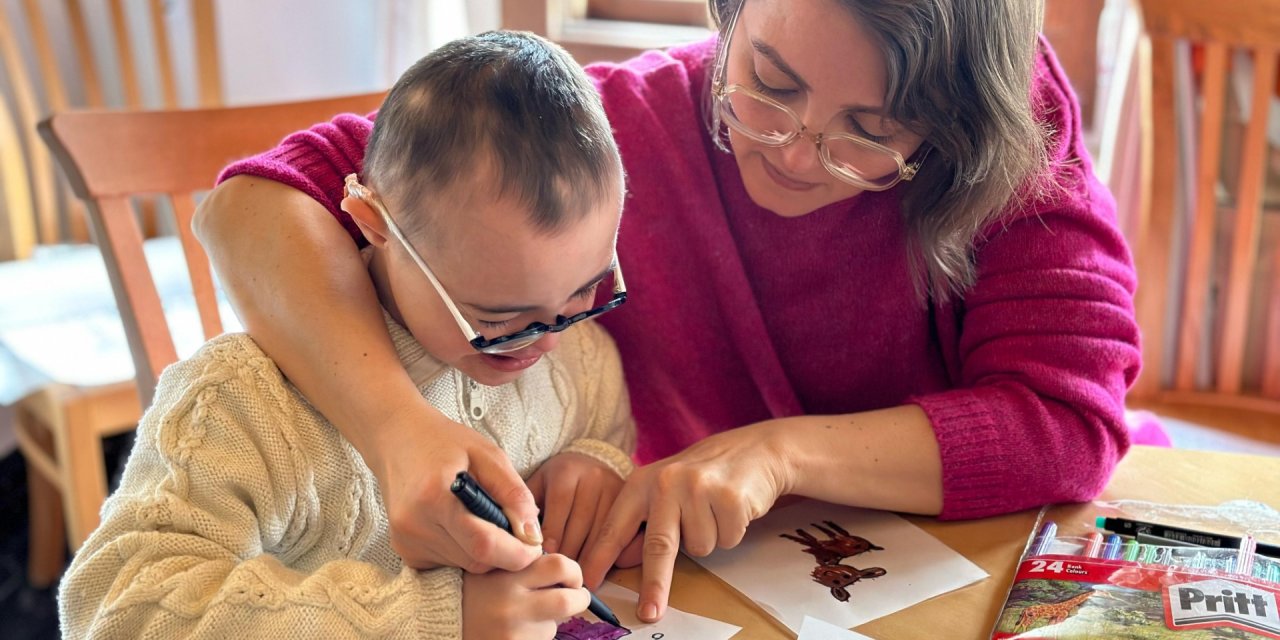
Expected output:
(244, 514)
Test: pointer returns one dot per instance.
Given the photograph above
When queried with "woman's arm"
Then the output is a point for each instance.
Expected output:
(885, 459)
(297, 282)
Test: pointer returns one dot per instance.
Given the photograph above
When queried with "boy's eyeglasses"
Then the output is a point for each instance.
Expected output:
(863, 163)
(502, 344)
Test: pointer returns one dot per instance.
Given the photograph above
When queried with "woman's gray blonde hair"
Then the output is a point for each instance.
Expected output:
(958, 72)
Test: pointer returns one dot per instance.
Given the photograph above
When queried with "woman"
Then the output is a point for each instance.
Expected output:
(869, 264)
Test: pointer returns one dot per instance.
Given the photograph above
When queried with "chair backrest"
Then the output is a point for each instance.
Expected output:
(109, 157)
(59, 68)
(1209, 293)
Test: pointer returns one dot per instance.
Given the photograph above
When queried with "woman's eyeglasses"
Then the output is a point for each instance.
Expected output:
(845, 154)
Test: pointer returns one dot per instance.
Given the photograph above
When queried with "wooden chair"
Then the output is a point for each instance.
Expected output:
(109, 157)
(49, 65)
(1209, 295)
(45, 213)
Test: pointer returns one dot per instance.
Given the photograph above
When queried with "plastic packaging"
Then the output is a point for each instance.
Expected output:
(1093, 584)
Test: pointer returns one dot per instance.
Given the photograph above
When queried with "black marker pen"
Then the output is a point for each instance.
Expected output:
(482, 506)
(1191, 537)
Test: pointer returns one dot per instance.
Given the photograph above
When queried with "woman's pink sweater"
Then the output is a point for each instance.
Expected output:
(738, 315)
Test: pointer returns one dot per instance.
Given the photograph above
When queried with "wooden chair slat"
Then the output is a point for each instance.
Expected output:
(18, 233)
(184, 209)
(1247, 23)
(54, 88)
(40, 168)
(1195, 306)
(1247, 227)
(120, 239)
(84, 54)
(208, 69)
(111, 157)
(103, 140)
(1154, 230)
(124, 53)
(1271, 351)
(164, 59)
(1217, 299)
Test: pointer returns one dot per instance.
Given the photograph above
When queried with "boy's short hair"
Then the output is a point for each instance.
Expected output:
(509, 100)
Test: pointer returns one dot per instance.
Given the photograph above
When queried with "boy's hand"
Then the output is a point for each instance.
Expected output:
(417, 460)
(575, 492)
(526, 604)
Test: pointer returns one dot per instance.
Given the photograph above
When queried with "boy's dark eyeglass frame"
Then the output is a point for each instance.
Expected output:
(501, 344)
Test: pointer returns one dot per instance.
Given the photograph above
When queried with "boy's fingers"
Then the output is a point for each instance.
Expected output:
(582, 517)
(608, 493)
(661, 544)
(555, 570)
(559, 501)
(617, 530)
(555, 584)
(558, 603)
(493, 471)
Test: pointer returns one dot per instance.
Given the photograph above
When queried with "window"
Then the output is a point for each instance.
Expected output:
(595, 30)
(686, 12)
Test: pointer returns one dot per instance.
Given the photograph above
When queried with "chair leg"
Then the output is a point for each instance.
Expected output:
(84, 475)
(46, 547)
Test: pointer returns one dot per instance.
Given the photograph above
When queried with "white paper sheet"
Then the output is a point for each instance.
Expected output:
(815, 629)
(675, 625)
(776, 572)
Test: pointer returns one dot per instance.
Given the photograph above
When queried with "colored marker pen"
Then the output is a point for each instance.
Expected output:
(1127, 527)
(1146, 538)
(1244, 558)
(1131, 548)
(1045, 540)
(1259, 571)
(1093, 548)
(478, 502)
(1199, 560)
(1148, 553)
(1111, 548)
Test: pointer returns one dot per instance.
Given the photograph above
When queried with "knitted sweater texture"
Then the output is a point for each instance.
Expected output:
(244, 514)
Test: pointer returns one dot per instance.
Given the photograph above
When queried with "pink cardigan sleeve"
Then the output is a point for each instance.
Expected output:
(1048, 344)
(315, 162)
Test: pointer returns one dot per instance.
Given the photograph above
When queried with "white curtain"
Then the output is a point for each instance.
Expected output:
(409, 29)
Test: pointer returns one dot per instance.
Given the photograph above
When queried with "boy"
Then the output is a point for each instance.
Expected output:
(490, 200)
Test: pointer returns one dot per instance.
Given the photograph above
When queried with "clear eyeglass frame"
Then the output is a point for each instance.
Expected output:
(723, 113)
(501, 344)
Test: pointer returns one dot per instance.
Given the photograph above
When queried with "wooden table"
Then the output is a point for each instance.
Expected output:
(1160, 475)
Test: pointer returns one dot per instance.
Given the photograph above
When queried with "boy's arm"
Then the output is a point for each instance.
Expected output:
(578, 484)
(610, 434)
(220, 480)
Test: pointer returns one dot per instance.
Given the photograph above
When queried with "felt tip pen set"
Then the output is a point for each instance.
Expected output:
(1128, 579)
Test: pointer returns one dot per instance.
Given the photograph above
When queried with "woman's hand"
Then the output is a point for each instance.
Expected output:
(704, 496)
(416, 457)
(522, 605)
(575, 492)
